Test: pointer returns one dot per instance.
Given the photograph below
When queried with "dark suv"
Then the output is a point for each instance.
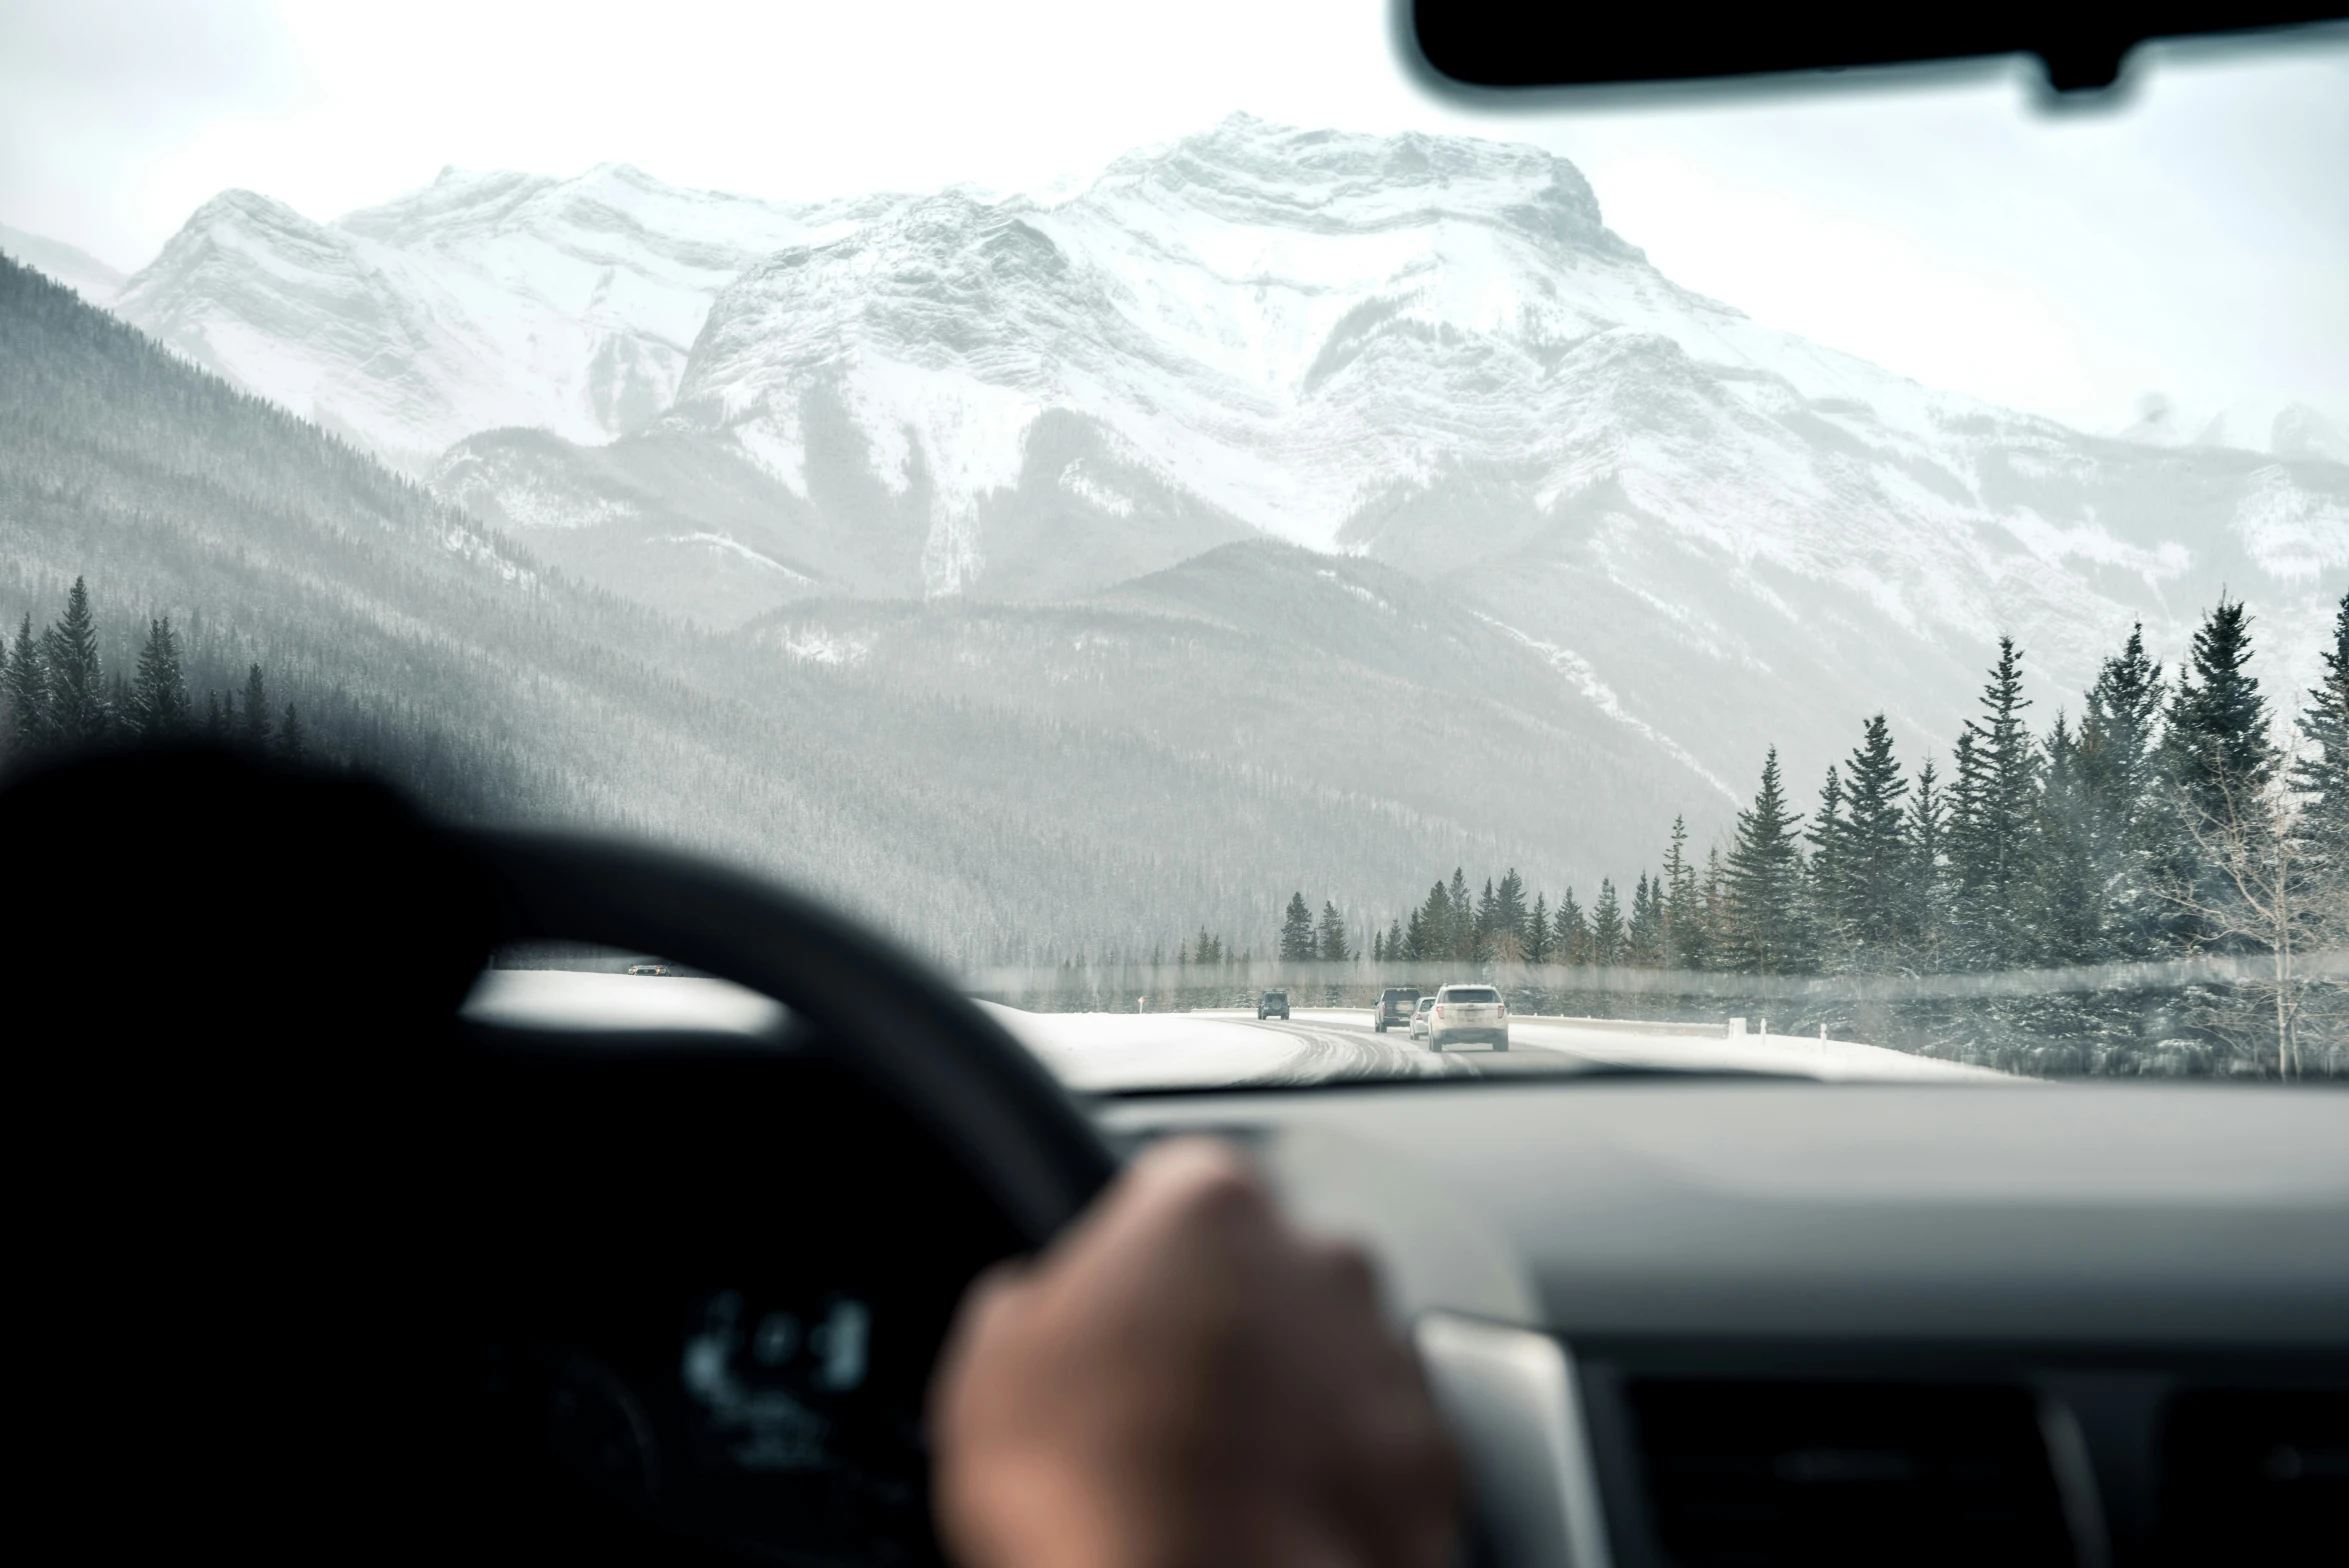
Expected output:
(1394, 1008)
(1273, 1004)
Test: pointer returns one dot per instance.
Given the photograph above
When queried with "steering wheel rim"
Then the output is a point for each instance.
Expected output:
(1008, 1121)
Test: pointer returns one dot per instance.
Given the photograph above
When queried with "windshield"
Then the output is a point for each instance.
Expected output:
(1147, 504)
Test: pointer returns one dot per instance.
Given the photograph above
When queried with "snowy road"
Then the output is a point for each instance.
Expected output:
(1165, 1050)
(1204, 1049)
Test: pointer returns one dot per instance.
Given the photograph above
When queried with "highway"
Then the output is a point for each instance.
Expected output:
(1109, 1051)
(1317, 1045)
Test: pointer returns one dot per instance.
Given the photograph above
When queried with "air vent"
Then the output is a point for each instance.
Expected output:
(2256, 1477)
(1755, 1473)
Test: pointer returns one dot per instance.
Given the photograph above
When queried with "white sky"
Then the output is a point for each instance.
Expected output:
(2192, 242)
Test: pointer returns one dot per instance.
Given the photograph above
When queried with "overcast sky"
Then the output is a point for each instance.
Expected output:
(2193, 242)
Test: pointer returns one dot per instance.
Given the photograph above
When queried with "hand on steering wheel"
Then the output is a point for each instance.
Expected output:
(1184, 1380)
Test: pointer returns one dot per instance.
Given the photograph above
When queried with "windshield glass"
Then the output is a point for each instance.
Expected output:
(1146, 504)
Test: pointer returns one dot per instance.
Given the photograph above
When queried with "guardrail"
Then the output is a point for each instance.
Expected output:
(1627, 1025)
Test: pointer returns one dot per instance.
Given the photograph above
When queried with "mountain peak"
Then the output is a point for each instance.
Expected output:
(1256, 170)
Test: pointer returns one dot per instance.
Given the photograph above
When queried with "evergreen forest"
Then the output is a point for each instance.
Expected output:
(61, 696)
(2153, 887)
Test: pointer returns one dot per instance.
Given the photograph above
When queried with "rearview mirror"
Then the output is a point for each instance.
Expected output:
(1526, 43)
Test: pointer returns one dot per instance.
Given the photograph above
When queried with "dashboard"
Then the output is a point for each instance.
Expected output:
(1671, 1322)
(1740, 1322)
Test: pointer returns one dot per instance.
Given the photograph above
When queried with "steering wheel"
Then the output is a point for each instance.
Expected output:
(882, 1015)
(254, 1072)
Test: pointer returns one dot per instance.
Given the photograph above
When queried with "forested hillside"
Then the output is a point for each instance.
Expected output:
(946, 799)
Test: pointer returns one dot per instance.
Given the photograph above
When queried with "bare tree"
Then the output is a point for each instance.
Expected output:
(2261, 888)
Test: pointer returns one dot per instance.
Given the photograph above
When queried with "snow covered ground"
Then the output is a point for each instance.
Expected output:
(1108, 1051)
(1167, 1050)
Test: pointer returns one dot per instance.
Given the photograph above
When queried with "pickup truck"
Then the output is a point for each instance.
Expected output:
(1395, 1006)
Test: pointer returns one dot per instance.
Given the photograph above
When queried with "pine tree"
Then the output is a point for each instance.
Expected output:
(1684, 923)
(2220, 762)
(1643, 941)
(1924, 836)
(1431, 937)
(78, 713)
(159, 703)
(1332, 936)
(1540, 944)
(1509, 912)
(255, 734)
(2067, 893)
(1463, 928)
(1394, 940)
(27, 693)
(215, 722)
(291, 746)
(2119, 752)
(1415, 942)
(1570, 939)
(1764, 884)
(1716, 906)
(1829, 871)
(1488, 925)
(1994, 810)
(1874, 867)
(1297, 940)
(2322, 772)
(2218, 749)
(1606, 926)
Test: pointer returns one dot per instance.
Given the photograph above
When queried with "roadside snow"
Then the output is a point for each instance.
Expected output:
(1149, 1050)
(1770, 1053)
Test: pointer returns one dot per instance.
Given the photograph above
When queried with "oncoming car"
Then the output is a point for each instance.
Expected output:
(1468, 1014)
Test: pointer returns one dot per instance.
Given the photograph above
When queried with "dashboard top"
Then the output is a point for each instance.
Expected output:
(2079, 1213)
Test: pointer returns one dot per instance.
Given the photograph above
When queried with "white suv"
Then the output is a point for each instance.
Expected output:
(1468, 1012)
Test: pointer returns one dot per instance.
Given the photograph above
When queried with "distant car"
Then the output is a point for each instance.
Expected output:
(1419, 1017)
(1468, 1012)
(1273, 1004)
(1395, 1006)
(648, 969)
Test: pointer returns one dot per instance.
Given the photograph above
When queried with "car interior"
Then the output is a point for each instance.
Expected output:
(688, 1273)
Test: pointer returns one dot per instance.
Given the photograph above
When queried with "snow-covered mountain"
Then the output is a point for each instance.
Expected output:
(1427, 350)
(480, 301)
(2284, 426)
